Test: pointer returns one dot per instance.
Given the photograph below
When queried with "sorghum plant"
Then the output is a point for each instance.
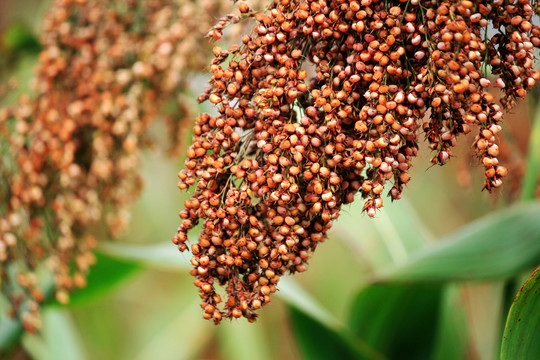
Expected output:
(70, 150)
(327, 99)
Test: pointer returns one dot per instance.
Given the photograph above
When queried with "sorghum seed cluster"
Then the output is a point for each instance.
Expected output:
(70, 151)
(513, 145)
(326, 99)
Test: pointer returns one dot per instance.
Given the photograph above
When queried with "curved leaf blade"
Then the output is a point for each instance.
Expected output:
(400, 321)
(521, 339)
(105, 276)
(318, 333)
(496, 246)
(157, 256)
(317, 341)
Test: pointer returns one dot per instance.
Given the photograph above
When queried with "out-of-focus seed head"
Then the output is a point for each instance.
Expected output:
(73, 158)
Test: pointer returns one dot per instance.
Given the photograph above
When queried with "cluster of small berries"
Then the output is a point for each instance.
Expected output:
(326, 99)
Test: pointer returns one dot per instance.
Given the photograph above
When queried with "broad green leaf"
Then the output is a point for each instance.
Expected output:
(512, 287)
(451, 340)
(317, 341)
(496, 246)
(521, 339)
(397, 320)
(104, 277)
(18, 38)
(162, 256)
(318, 333)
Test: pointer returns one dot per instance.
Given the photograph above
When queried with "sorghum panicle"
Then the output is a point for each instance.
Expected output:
(70, 149)
(326, 99)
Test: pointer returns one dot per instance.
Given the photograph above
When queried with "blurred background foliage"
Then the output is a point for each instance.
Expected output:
(433, 276)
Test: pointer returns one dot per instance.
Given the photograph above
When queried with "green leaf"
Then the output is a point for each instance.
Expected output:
(10, 332)
(104, 277)
(19, 38)
(397, 320)
(318, 333)
(451, 341)
(317, 341)
(496, 246)
(157, 256)
(521, 339)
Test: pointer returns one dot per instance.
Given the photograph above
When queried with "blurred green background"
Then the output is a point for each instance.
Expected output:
(433, 276)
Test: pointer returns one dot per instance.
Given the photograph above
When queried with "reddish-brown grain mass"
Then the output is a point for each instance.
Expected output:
(328, 99)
